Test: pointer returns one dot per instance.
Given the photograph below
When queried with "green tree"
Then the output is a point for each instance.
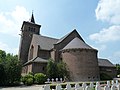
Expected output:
(2, 56)
(2, 74)
(56, 70)
(52, 70)
(10, 69)
(62, 70)
(13, 70)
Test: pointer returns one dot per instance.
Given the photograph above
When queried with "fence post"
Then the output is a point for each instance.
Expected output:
(48, 80)
(56, 79)
(84, 86)
(52, 80)
(108, 83)
(112, 82)
(68, 87)
(46, 87)
(118, 87)
(77, 86)
(97, 87)
(112, 87)
(60, 79)
(106, 88)
(116, 82)
(58, 87)
(98, 83)
(91, 85)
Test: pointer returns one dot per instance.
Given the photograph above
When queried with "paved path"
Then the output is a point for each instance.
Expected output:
(34, 87)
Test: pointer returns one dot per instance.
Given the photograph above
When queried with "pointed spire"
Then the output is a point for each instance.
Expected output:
(32, 18)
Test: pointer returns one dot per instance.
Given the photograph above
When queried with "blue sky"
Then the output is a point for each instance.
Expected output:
(97, 21)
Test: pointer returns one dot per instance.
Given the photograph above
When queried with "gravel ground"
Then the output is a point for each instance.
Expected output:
(34, 87)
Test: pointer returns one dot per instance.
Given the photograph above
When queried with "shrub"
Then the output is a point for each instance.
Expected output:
(104, 76)
(57, 70)
(27, 79)
(40, 78)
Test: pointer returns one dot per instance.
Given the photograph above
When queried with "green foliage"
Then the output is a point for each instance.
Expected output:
(52, 71)
(2, 55)
(104, 76)
(2, 74)
(56, 70)
(10, 69)
(118, 68)
(40, 78)
(28, 79)
(13, 70)
(62, 71)
(31, 73)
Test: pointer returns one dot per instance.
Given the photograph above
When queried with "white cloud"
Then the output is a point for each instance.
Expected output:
(10, 22)
(100, 47)
(107, 35)
(108, 10)
(6, 48)
(115, 57)
(117, 54)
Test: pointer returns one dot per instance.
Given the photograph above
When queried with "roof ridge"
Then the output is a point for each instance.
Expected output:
(47, 37)
(64, 37)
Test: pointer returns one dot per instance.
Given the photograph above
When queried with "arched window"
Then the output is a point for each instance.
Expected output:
(29, 28)
(31, 52)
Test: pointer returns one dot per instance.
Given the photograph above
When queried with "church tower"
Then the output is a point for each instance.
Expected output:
(27, 30)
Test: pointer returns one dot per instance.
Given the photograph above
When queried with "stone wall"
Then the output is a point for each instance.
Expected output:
(27, 30)
(39, 67)
(45, 54)
(82, 64)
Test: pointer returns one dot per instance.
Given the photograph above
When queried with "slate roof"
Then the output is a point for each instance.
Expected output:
(105, 63)
(77, 43)
(45, 43)
(60, 40)
(36, 59)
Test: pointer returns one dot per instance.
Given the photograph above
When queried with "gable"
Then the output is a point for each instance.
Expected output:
(61, 43)
(67, 35)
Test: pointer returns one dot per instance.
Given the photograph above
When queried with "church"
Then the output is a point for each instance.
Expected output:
(81, 59)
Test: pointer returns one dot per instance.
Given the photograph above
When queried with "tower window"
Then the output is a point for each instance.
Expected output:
(29, 28)
(43, 68)
(33, 29)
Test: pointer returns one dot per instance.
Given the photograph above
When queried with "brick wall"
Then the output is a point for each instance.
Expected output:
(82, 64)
